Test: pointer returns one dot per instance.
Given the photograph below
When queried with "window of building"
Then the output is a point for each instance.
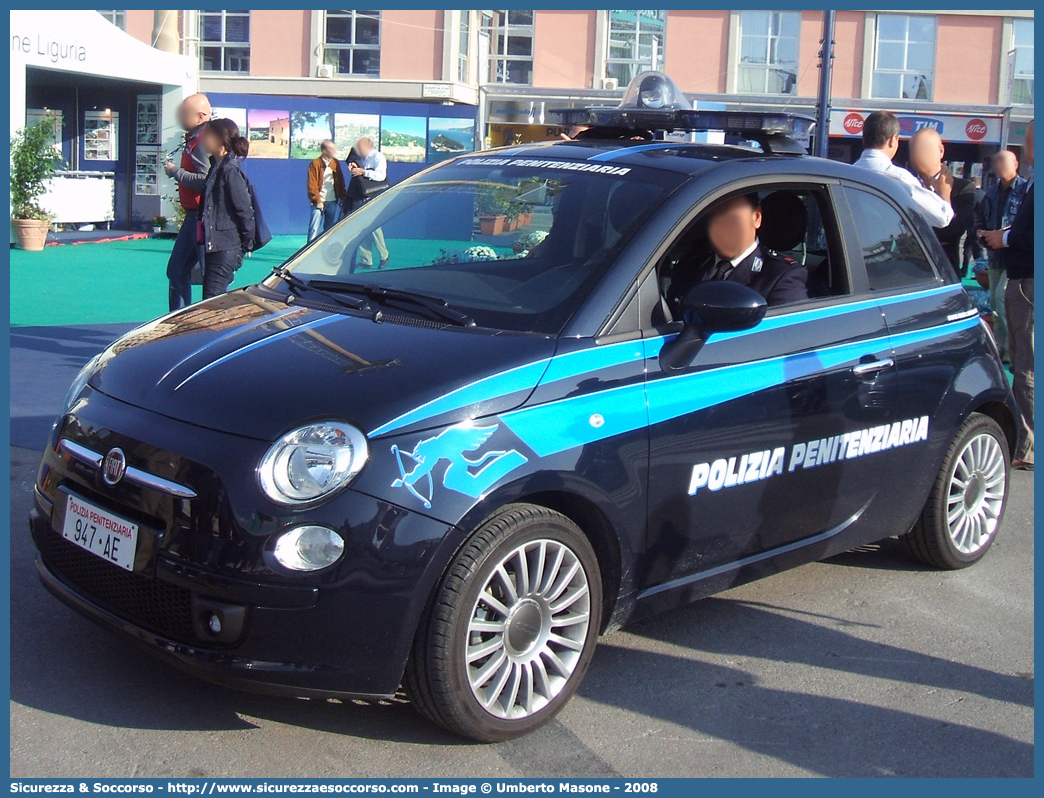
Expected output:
(1022, 80)
(768, 52)
(353, 42)
(510, 46)
(464, 48)
(117, 18)
(636, 40)
(904, 57)
(224, 41)
(893, 256)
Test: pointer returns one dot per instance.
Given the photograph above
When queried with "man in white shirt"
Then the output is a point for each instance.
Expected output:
(369, 165)
(880, 144)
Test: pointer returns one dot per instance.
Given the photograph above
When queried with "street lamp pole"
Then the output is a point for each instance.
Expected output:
(826, 61)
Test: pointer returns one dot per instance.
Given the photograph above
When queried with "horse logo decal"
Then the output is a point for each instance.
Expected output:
(462, 475)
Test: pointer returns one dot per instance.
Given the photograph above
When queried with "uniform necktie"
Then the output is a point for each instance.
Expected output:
(723, 268)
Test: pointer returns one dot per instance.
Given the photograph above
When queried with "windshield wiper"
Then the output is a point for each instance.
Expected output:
(436, 306)
(297, 285)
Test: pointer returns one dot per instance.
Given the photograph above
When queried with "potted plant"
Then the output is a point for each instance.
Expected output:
(158, 224)
(490, 210)
(33, 163)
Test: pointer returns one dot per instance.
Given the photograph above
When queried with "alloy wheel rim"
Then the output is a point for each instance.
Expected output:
(527, 629)
(976, 495)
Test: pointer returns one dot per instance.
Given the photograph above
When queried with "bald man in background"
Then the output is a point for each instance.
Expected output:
(1016, 241)
(996, 212)
(926, 162)
(191, 176)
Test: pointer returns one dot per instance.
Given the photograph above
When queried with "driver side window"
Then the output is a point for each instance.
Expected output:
(796, 225)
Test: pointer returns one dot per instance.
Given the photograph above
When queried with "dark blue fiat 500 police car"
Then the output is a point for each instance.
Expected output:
(537, 422)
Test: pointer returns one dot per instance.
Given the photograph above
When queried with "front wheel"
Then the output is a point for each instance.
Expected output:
(960, 519)
(512, 628)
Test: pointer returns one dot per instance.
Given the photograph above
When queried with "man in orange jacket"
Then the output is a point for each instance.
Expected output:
(326, 190)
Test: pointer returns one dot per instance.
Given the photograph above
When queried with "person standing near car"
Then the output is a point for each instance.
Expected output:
(190, 175)
(997, 212)
(227, 209)
(926, 162)
(326, 190)
(369, 167)
(880, 144)
(1017, 245)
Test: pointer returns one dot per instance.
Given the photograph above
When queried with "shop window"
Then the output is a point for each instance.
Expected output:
(904, 57)
(117, 18)
(892, 254)
(1022, 79)
(224, 41)
(768, 52)
(101, 135)
(353, 42)
(511, 45)
(636, 40)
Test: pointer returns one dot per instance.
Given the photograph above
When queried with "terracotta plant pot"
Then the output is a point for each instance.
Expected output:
(492, 225)
(512, 225)
(157, 230)
(31, 234)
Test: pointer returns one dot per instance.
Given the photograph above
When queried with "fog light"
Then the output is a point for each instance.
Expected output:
(308, 548)
(214, 624)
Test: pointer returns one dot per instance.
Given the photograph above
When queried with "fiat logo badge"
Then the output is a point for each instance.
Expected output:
(114, 466)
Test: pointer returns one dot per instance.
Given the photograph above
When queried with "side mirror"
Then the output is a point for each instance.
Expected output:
(714, 306)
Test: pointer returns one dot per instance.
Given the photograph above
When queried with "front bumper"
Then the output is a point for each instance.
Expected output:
(346, 632)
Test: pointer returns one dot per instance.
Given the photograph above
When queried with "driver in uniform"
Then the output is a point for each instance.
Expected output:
(732, 227)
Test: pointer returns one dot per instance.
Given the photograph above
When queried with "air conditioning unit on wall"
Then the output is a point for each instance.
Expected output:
(325, 71)
(610, 84)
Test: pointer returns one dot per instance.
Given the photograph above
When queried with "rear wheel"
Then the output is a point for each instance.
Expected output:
(512, 628)
(960, 519)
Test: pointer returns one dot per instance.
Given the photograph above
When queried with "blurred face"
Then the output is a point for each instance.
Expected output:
(1005, 165)
(926, 153)
(210, 142)
(192, 113)
(329, 150)
(364, 147)
(1027, 149)
(733, 227)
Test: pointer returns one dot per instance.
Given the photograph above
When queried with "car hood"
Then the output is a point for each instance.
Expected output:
(254, 366)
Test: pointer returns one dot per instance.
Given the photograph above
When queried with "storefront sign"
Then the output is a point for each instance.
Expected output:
(436, 90)
(952, 127)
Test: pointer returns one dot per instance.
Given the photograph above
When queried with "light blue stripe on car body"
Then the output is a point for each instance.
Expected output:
(571, 365)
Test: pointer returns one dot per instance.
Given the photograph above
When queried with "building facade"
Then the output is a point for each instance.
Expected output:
(968, 74)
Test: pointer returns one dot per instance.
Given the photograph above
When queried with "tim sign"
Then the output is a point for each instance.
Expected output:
(848, 123)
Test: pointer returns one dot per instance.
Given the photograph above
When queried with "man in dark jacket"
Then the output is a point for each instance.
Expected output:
(732, 228)
(191, 176)
(997, 212)
(1017, 244)
(926, 162)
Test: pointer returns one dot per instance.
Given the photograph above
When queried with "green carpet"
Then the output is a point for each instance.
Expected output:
(121, 281)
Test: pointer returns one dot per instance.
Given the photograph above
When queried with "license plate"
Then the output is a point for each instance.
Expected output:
(108, 536)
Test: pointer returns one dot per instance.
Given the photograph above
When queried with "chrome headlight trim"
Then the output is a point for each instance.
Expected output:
(312, 462)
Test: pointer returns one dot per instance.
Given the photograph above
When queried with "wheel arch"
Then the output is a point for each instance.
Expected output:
(1002, 414)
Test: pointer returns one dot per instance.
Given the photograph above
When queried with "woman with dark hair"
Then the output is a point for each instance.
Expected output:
(227, 224)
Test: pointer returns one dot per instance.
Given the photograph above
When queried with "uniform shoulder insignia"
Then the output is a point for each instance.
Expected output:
(755, 267)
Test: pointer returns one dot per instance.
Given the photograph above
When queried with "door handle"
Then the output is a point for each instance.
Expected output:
(874, 366)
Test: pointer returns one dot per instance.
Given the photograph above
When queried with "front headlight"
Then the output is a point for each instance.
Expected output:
(312, 462)
(80, 382)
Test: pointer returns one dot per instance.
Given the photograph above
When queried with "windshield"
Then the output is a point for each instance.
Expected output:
(514, 244)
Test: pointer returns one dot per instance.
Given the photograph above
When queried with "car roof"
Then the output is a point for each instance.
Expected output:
(672, 156)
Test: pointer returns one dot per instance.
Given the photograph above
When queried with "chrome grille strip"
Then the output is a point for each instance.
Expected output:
(136, 475)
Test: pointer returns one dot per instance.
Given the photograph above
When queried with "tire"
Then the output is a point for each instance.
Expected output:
(527, 654)
(964, 509)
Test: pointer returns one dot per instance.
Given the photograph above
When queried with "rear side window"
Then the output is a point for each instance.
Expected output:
(893, 256)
